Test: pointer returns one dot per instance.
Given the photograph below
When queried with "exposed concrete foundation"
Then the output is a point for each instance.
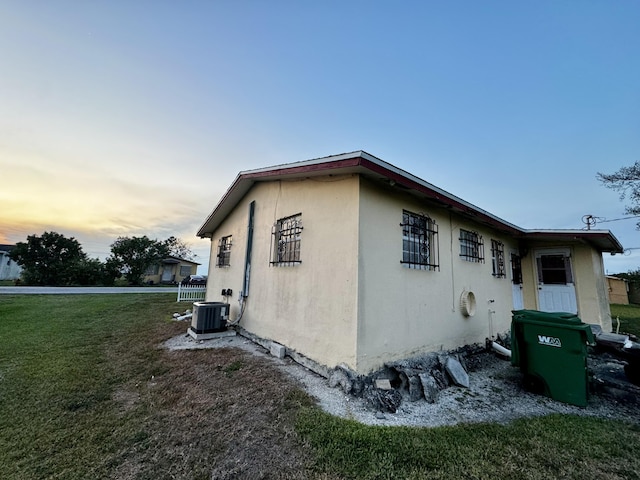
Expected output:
(277, 350)
(210, 336)
(412, 379)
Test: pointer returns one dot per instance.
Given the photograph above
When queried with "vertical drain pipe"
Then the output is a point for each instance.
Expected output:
(247, 265)
(247, 259)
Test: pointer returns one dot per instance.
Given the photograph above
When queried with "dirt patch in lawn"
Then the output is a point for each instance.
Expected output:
(217, 414)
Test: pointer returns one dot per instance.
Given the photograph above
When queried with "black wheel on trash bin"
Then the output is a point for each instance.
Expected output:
(533, 384)
(632, 371)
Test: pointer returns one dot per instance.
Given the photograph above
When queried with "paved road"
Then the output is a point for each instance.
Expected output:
(81, 290)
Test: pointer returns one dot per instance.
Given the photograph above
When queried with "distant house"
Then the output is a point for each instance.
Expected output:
(350, 260)
(9, 269)
(618, 290)
(170, 270)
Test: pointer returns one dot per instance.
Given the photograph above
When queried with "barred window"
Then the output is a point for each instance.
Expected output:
(185, 270)
(285, 241)
(224, 252)
(497, 259)
(419, 241)
(471, 246)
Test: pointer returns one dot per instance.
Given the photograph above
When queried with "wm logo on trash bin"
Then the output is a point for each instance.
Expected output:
(550, 341)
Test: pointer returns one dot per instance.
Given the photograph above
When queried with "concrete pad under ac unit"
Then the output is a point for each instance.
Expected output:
(211, 336)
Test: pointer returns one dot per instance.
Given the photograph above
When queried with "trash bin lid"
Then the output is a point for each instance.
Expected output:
(564, 318)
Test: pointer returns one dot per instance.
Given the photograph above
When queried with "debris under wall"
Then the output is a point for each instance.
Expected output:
(419, 378)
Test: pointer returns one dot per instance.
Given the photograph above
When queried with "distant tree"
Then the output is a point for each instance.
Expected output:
(110, 272)
(625, 181)
(632, 275)
(179, 248)
(50, 259)
(89, 271)
(133, 255)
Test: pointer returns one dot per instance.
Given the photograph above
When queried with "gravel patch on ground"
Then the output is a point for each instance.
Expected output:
(495, 393)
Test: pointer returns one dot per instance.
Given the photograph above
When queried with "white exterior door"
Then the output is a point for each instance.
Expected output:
(167, 275)
(556, 291)
(516, 281)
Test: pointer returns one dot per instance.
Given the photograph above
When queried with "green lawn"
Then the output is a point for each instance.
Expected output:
(550, 447)
(629, 316)
(85, 394)
(61, 360)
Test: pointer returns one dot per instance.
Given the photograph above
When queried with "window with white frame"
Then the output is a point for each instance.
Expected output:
(497, 259)
(286, 237)
(419, 241)
(471, 246)
(223, 258)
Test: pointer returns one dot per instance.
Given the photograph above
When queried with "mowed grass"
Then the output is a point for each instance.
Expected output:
(557, 446)
(62, 360)
(70, 367)
(629, 318)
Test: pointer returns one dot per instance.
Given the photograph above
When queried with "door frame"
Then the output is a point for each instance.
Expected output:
(569, 288)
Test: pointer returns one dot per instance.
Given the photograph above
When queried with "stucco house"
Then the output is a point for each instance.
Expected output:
(350, 260)
(170, 270)
(9, 269)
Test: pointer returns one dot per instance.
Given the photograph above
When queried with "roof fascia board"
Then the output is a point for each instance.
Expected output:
(361, 162)
(587, 235)
(431, 191)
(245, 179)
(259, 172)
(376, 165)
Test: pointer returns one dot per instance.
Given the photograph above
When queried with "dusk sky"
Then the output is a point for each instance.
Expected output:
(123, 118)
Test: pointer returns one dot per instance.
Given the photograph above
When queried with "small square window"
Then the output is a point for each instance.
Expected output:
(419, 241)
(497, 259)
(286, 236)
(471, 246)
(224, 252)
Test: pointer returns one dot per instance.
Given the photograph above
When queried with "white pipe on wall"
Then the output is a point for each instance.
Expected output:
(501, 350)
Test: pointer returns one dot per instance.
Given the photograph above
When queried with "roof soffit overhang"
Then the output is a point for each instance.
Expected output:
(379, 171)
(601, 240)
(360, 163)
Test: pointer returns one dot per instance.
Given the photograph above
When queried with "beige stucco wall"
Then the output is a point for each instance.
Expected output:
(351, 301)
(404, 311)
(309, 307)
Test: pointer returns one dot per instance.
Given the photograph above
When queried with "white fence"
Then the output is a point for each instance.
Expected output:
(191, 293)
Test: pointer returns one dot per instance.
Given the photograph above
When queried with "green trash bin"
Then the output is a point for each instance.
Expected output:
(551, 351)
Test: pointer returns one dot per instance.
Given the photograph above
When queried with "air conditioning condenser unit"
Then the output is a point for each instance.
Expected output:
(209, 317)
